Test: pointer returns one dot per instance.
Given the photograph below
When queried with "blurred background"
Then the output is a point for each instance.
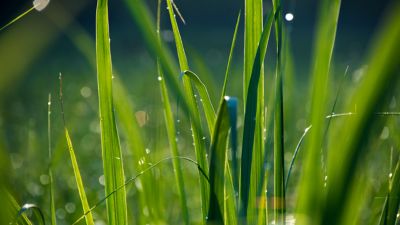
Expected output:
(60, 39)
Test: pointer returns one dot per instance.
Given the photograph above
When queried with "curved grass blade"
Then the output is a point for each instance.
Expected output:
(384, 61)
(195, 115)
(204, 98)
(51, 184)
(77, 173)
(171, 132)
(10, 209)
(250, 115)
(132, 179)
(145, 23)
(296, 151)
(111, 151)
(36, 210)
(218, 151)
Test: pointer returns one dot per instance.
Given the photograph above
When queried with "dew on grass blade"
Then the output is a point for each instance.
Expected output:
(39, 5)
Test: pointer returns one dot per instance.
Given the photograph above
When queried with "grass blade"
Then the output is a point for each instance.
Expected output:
(204, 98)
(78, 179)
(77, 173)
(51, 184)
(195, 115)
(309, 203)
(383, 62)
(392, 200)
(171, 131)
(228, 66)
(218, 151)
(279, 151)
(111, 151)
(250, 114)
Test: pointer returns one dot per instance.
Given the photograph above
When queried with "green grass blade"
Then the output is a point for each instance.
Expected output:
(111, 151)
(250, 115)
(218, 151)
(146, 25)
(171, 132)
(77, 173)
(253, 26)
(78, 179)
(279, 151)
(325, 38)
(195, 115)
(296, 151)
(383, 64)
(51, 183)
(228, 66)
(394, 196)
(204, 98)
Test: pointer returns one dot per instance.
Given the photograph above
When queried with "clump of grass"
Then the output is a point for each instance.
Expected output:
(233, 181)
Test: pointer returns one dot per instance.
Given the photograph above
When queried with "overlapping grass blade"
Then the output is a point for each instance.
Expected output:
(204, 98)
(279, 161)
(146, 26)
(218, 151)
(171, 132)
(195, 115)
(111, 151)
(10, 209)
(249, 120)
(253, 26)
(383, 61)
(310, 192)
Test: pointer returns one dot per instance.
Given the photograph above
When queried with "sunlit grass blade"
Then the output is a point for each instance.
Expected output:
(250, 115)
(218, 151)
(310, 192)
(111, 151)
(78, 179)
(51, 184)
(17, 18)
(77, 173)
(382, 72)
(171, 131)
(253, 26)
(204, 98)
(228, 65)
(195, 115)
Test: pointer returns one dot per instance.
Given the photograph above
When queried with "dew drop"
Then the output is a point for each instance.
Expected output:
(159, 78)
(40, 4)
(147, 151)
(289, 17)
